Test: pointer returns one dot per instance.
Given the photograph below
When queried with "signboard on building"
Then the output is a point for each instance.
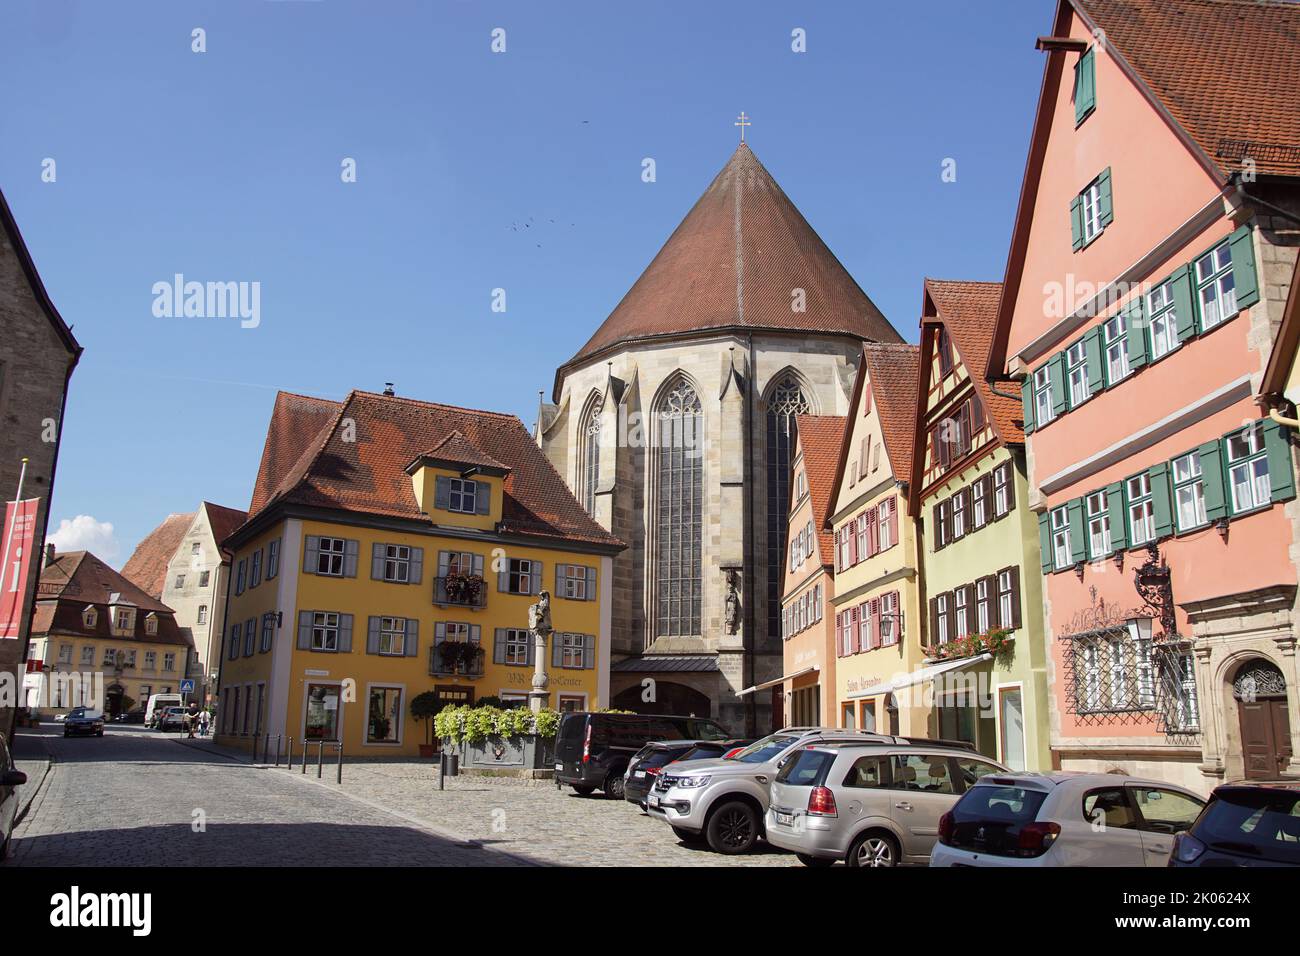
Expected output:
(18, 539)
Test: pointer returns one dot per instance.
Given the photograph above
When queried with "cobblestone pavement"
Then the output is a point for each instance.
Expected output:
(131, 798)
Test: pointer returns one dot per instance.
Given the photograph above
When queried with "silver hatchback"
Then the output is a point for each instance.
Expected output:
(869, 804)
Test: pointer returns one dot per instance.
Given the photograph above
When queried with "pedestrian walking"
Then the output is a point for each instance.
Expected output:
(203, 722)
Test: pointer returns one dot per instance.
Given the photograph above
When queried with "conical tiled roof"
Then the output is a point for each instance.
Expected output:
(734, 262)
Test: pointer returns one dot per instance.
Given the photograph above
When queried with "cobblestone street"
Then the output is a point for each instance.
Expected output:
(130, 797)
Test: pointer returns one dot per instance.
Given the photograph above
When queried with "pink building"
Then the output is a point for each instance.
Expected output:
(1149, 267)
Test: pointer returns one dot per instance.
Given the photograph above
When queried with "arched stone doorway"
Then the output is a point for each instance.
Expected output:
(670, 698)
(1259, 688)
(113, 695)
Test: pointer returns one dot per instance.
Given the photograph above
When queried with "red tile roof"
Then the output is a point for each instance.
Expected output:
(893, 370)
(1224, 69)
(298, 423)
(368, 474)
(147, 566)
(75, 579)
(733, 263)
(819, 440)
(224, 521)
(969, 311)
(458, 449)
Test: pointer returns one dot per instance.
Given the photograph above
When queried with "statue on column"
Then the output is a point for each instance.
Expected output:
(539, 626)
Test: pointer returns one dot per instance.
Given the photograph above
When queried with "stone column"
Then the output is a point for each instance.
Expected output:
(537, 696)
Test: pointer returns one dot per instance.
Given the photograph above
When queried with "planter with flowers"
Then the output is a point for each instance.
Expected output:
(464, 589)
(997, 641)
(498, 741)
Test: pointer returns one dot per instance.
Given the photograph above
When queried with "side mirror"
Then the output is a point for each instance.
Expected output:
(12, 778)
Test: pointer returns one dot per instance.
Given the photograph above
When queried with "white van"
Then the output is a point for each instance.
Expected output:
(158, 703)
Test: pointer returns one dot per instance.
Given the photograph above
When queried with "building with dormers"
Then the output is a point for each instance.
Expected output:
(393, 547)
(675, 426)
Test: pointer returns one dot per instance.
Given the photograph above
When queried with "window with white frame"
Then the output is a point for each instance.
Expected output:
(255, 569)
(463, 494)
(88, 656)
(392, 636)
(129, 660)
(1186, 714)
(65, 653)
(241, 575)
(941, 609)
(150, 660)
(845, 536)
(1098, 509)
(861, 524)
(89, 617)
(1164, 322)
(1076, 370)
(169, 661)
(125, 619)
(203, 614)
(515, 642)
(1189, 491)
(110, 657)
(151, 625)
(884, 535)
(960, 598)
(397, 563)
(324, 630)
(519, 577)
(204, 578)
(979, 503)
(1141, 510)
(330, 559)
(572, 649)
(1061, 538)
(384, 715)
(1001, 491)
(1118, 682)
(888, 618)
(272, 558)
(864, 626)
(250, 636)
(1090, 692)
(196, 548)
(958, 515)
(1140, 635)
(1114, 337)
(268, 630)
(1092, 211)
(983, 605)
(1215, 286)
(574, 582)
(180, 581)
(1043, 410)
(1248, 469)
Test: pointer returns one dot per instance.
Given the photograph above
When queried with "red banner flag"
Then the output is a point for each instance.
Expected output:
(18, 538)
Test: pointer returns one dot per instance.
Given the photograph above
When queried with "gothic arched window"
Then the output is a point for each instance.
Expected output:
(679, 508)
(785, 402)
(589, 474)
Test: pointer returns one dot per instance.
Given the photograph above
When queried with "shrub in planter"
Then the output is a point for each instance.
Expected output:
(425, 707)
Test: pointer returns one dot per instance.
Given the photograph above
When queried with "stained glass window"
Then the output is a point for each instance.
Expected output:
(679, 512)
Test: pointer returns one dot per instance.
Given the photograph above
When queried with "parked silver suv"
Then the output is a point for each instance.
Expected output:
(724, 801)
(869, 803)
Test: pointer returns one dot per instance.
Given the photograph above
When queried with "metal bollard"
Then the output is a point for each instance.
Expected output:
(290, 764)
(320, 758)
(339, 778)
(277, 750)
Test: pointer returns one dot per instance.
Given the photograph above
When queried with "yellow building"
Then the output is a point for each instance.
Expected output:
(394, 547)
(877, 605)
(99, 641)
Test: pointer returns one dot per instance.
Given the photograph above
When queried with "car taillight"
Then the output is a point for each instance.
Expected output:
(1037, 838)
(822, 802)
(654, 770)
(947, 824)
(586, 745)
(1186, 848)
(732, 752)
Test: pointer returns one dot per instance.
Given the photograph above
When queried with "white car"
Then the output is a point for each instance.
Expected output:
(1065, 818)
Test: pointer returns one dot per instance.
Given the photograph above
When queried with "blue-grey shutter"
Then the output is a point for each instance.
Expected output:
(503, 576)
(1212, 483)
(478, 565)
(412, 637)
(304, 630)
(1092, 354)
(482, 497)
(476, 640)
(591, 584)
(377, 555)
(1118, 516)
(351, 549)
(536, 581)
(1078, 539)
(1027, 400)
(1135, 324)
(1076, 223)
(559, 580)
(1105, 205)
(588, 651)
(1184, 307)
(442, 492)
(417, 566)
(1045, 541)
(499, 646)
(1244, 276)
(345, 633)
(311, 555)
(1085, 86)
(1161, 501)
(1281, 472)
(372, 635)
(557, 649)
(1056, 375)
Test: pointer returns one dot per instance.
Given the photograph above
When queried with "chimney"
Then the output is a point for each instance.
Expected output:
(388, 389)
(50, 554)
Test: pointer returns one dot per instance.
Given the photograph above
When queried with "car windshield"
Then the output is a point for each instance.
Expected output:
(764, 749)
(1263, 822)
(701, 753)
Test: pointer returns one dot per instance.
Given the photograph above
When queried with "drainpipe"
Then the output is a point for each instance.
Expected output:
(1236, 180)
(994, 387)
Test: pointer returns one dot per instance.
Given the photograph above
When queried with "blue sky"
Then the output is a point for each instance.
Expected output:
(225, 166)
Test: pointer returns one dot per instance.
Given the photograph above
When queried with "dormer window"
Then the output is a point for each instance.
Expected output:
(89, 617)
(151, 624)
(124, 619)
(462, 495)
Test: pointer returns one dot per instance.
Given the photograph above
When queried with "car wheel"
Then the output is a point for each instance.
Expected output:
(583, 791)
(687, 836)
(732, 828)
(614, 785)
(815, 861)
(100, 734)
(873, 849)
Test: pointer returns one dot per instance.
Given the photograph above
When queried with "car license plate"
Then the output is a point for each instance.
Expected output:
(559, 766)
(785, 819)
(640, 773)
(653, 799)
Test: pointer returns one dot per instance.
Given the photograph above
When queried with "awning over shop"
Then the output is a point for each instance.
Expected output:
(919, 676)
(779, 680)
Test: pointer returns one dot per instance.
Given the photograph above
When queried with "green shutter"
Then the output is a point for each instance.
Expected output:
(1106, 205)
(1244, 276)
(1076, 222)
(1056, 375)
(1136, 323)
(1161, 502)
(1184, 308)
(1118, 516)
(1216, 499)
(1027, 399)
(1281, 473)
(1078, 539)
(1085, 86)
(1045, 541)
(1092, 352)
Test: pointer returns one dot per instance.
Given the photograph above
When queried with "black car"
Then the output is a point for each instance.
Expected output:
(130, 716)
(83, 722)
(10, 780)
(1244, 824)
(592, 750)
(651, 759)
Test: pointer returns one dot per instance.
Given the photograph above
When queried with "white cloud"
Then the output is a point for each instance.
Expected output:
(85, 533)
